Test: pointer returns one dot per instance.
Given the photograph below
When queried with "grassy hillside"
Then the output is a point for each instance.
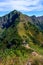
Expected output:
(19, 40)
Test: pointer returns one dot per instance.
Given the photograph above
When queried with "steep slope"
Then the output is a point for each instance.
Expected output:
(38, 21)
(17, 27)
(8, 19)
(16, 31)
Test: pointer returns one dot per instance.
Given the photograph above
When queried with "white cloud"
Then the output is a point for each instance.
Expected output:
(21, 5)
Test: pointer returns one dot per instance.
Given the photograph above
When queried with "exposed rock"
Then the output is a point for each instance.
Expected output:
(34, 53)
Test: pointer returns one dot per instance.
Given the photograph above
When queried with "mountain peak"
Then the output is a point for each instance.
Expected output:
(11, 17)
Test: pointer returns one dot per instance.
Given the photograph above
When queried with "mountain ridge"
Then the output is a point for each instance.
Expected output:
(21, 39)
(16, 19)
(38, 21)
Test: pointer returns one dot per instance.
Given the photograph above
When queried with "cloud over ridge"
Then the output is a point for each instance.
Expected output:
(21, 5)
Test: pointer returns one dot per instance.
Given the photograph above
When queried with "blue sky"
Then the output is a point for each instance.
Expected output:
(29, 7)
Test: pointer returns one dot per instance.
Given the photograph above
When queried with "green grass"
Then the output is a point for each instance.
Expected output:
(19, 31)
(36, 48)
(20, 55)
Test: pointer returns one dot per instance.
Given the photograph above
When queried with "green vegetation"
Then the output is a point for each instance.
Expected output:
(19, 39)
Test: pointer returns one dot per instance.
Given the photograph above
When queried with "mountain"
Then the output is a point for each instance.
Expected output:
(38, 21)
(21, 39)
(7, 19)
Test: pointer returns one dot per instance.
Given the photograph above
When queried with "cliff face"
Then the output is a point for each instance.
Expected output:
(8, 19)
